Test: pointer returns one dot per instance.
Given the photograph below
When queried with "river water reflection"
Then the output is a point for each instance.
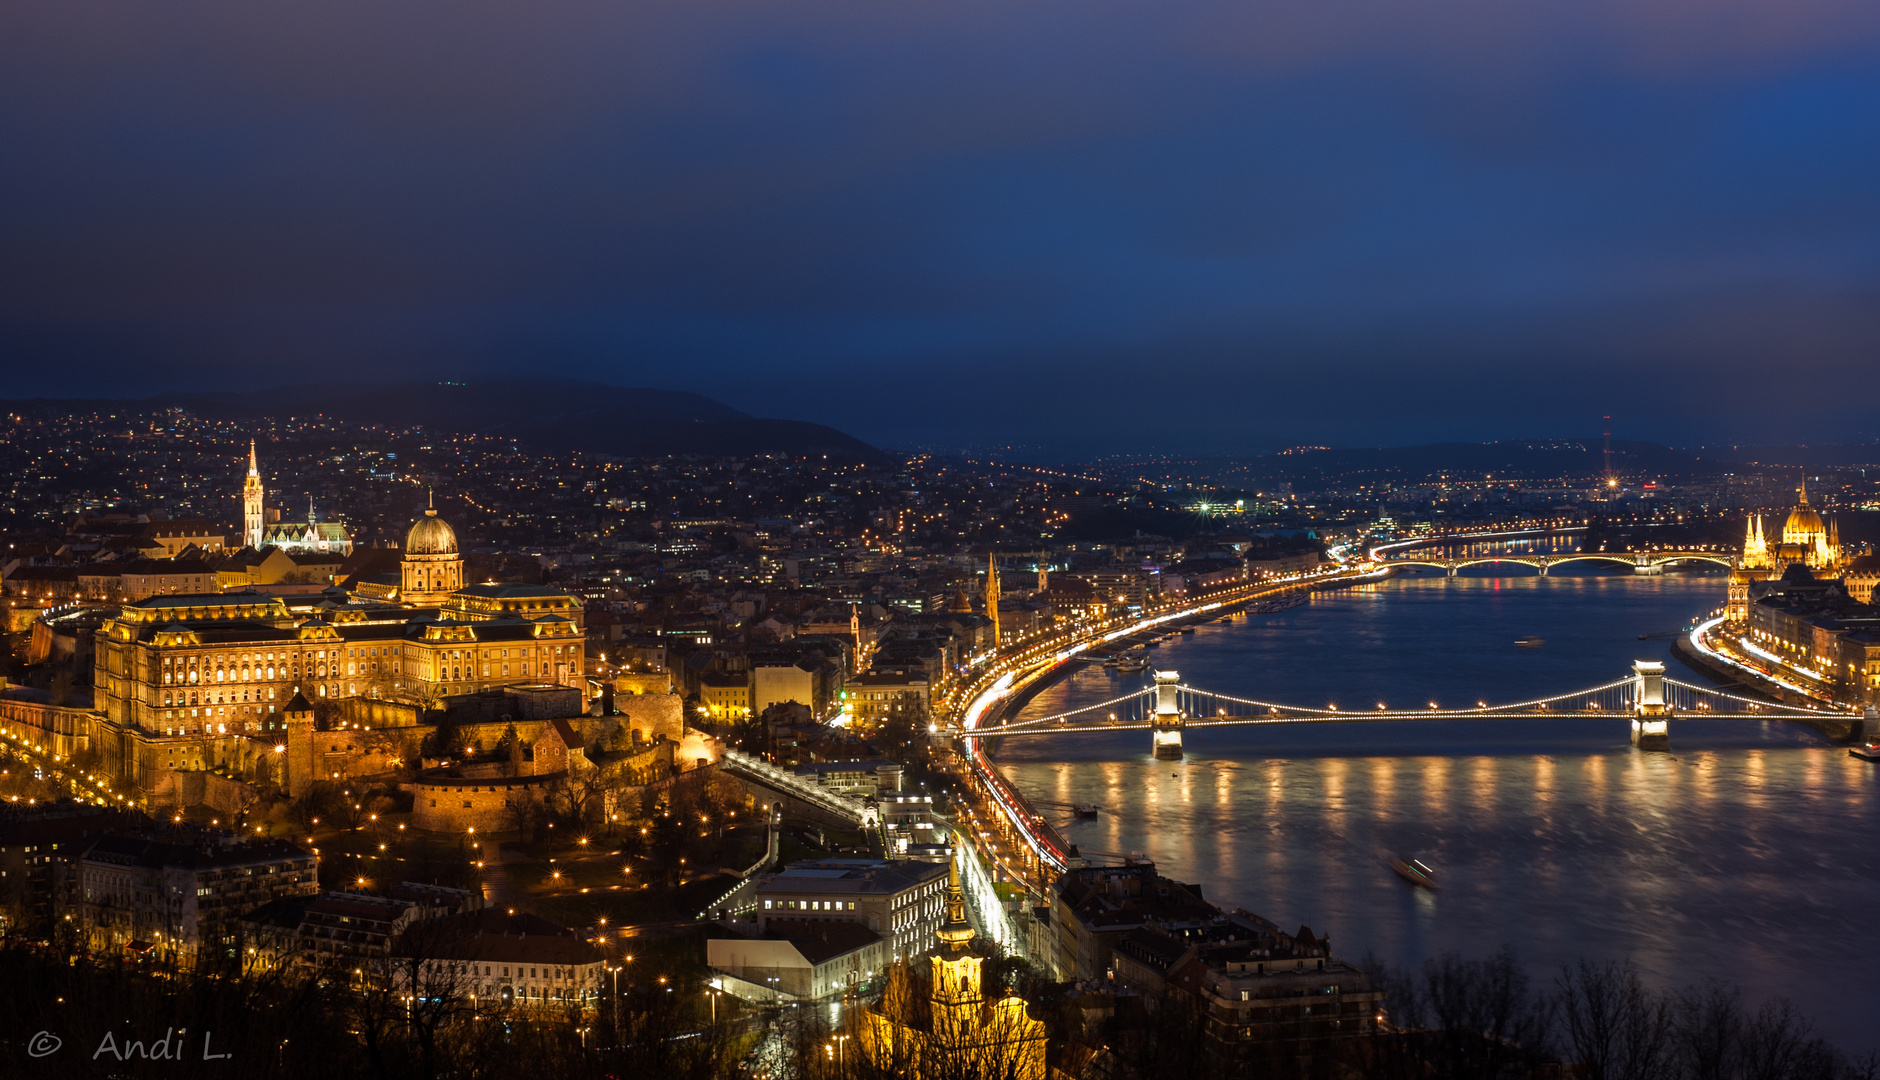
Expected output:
(1746, 854)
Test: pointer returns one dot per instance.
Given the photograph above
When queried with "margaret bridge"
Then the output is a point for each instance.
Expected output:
(1399, 553)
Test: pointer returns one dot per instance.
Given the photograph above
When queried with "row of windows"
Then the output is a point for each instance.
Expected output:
(810, 905)
(215, 698)
(253, 658)
(553, 974)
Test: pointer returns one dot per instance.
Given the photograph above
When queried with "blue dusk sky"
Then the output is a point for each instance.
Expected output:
(1082, 226)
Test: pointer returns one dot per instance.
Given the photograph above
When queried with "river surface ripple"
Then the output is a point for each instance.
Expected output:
(1745, 855)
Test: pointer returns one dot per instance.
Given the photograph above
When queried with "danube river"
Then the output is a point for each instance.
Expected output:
(1746, 854)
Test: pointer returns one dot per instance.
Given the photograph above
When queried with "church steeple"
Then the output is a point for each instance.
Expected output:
(252, 494)
(957, 987)
(992, 595)
(957, 933)
(1755, 548)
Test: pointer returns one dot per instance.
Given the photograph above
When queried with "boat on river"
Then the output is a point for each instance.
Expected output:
(1529, 642)
(1084, 810)
(1415, 872)
(1868, 750)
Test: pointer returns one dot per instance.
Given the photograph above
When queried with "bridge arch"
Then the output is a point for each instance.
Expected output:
(1594, 556)
(1432, 563)
(1485, 560)
(1697, 556)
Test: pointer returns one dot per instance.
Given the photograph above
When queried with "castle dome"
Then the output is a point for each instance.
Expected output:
(431, 536)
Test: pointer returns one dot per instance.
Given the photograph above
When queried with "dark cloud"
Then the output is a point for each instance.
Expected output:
(1085, 225)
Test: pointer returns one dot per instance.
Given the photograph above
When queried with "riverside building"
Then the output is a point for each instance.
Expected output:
(903, 900)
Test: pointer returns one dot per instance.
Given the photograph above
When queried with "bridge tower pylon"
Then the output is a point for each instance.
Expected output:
(1651, 717)
(1165, 727)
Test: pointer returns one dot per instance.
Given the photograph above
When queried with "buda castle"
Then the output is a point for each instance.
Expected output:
(204, 680)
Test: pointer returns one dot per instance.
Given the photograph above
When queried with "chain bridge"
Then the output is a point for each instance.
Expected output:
(1167, 708)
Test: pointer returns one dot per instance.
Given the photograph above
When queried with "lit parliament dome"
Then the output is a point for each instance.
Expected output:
(431, 536)
(1803, 525)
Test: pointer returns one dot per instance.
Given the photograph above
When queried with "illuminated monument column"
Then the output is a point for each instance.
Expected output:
(1166, 728)
(1651, 723)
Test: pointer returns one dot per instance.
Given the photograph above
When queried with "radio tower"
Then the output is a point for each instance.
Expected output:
(1611, 480)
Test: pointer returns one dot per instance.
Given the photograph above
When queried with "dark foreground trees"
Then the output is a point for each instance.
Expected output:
(1481, 1020)
(72, 1015)
(93, 1017)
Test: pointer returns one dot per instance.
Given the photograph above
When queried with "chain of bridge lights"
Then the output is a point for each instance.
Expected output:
(1039, 721)
(1479, 710)
(1751, 702)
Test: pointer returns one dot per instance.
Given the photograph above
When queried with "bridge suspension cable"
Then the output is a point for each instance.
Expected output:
(1597, 697)
(1691, 696)
(1041, 721)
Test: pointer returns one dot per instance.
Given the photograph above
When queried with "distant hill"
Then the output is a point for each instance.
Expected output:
(1527, 459)
(542, 414)
(1829, 456)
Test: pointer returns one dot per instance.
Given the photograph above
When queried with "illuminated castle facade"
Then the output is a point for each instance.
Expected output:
(192, 682)
(1806, 540)
(312, 535)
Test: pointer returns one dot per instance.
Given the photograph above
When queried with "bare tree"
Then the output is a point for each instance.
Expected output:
(429, 973)
(575, 800)
(1780, 1044)
(1486, 1020)
(1615, 1027)
(1707, 1031)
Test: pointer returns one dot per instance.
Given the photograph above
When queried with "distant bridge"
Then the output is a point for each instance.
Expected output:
(1394, 553)
(1641, 562)
(1647, 698)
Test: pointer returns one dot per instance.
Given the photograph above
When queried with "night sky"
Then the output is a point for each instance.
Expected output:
(1085, 226)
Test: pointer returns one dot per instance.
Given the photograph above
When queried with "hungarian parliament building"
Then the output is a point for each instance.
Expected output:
(1801, 601)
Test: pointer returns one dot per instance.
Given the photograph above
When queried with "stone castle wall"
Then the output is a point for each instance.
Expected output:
(652, 716)
(454, 806)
